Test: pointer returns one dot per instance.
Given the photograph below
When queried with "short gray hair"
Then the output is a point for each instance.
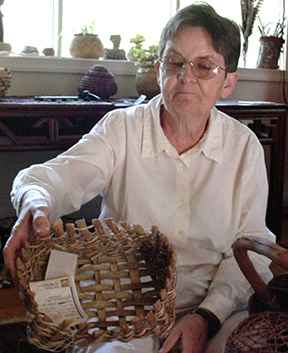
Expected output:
(225, 33)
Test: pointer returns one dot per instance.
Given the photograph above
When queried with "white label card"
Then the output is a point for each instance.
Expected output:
(58, 299)
(61, 264)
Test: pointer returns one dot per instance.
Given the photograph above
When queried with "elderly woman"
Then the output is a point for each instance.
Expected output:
(176, 162)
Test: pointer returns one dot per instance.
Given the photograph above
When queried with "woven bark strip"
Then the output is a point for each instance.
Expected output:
(265, 332)
(125, 279)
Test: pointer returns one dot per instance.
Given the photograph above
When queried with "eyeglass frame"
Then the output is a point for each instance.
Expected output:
(180, 71)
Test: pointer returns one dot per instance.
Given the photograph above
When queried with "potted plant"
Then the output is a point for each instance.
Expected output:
(87, 44)
(271, 44)
(144, 58)
(249, 11)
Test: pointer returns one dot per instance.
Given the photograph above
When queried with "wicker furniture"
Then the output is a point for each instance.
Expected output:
(125, 280)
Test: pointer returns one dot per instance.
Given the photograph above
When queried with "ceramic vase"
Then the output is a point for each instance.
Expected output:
(86, 46)
(99, 81)
(146, 80)
(269, 53)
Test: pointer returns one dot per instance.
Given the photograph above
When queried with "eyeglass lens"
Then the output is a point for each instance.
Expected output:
(202, 68)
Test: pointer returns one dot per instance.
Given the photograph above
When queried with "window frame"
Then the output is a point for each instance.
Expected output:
(176, 5)
(57, 64)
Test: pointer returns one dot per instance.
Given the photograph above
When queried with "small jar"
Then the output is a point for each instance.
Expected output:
(99, 81)
(269, 52)
(146, 80)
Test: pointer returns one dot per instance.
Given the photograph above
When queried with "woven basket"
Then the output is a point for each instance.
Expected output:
(265, 332)
(123, 256)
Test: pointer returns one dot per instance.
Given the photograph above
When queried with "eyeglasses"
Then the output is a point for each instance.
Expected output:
(202, 68)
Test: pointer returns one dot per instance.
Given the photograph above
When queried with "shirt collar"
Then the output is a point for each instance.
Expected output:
(155, 142)
(211, 144)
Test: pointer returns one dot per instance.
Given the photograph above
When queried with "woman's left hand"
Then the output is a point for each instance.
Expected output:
(191, 331)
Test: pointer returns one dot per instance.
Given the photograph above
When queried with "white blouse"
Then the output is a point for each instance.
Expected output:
(202, 200)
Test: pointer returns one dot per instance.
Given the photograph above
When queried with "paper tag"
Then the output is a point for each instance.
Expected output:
(61, 264)
(57, 298)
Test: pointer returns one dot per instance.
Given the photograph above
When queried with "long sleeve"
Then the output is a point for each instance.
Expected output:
(229, 290)
(75, 176)
(203, 200)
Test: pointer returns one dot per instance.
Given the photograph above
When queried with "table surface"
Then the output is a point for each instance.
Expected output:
(117, 102)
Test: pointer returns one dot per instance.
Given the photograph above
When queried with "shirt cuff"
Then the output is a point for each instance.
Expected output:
(37, 195)
(219, 305)
(212, 320)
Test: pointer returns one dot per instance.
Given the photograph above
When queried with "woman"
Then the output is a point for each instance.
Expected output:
(176, 162)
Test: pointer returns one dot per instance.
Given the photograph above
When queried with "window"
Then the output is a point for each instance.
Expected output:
(34, 22)
(52, 23)
(29, 22)
(270, 13)
(126, 17)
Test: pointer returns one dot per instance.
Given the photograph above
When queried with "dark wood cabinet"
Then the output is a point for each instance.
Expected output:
(35, 124)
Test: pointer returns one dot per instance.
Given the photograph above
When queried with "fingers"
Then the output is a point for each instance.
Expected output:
(41, 224)
(170, 341)
(15, 242)
(190, 344)
(192, 331)
(10, 258)
(194, 335)
(31, 223)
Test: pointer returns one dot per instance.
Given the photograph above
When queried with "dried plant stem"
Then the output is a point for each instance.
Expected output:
(249, 11)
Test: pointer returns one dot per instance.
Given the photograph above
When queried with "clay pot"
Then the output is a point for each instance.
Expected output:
(29, 50)
(48, 51)
(269, 53)
(86, 46)
(146, 80)
(99, 81)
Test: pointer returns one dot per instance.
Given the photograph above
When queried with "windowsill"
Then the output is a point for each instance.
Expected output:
(262, 75)
(118, 67)
(64, 65)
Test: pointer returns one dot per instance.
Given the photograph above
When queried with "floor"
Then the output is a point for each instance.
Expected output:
(13, 340)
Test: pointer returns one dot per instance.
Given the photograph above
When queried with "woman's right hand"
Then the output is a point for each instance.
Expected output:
(32, 222)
